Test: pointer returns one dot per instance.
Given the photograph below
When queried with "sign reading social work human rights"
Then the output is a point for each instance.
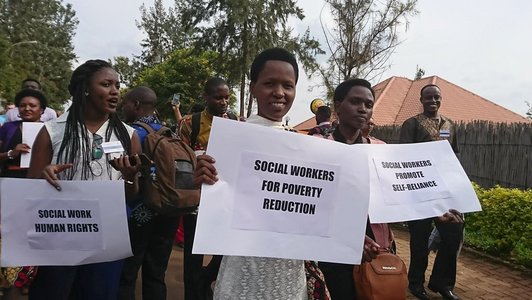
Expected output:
(282, 194)
(83, 223)
(417, 181)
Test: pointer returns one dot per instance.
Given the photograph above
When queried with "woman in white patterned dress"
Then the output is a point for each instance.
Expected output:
(274, 74)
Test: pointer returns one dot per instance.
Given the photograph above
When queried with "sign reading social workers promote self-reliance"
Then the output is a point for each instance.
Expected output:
(417, 181)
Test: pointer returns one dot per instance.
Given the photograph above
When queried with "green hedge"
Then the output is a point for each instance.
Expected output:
(504, 226)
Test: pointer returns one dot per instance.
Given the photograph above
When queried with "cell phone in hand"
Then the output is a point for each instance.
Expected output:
(176, 99)
(144, 161)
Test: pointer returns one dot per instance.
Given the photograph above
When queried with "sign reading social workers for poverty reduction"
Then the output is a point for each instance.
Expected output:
(417, 181)
(83, 223)
(275, 192)
(282, 194)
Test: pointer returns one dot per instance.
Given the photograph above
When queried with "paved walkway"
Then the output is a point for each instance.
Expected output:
(477, 278)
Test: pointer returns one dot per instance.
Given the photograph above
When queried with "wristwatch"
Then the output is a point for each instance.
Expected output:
(9, 154)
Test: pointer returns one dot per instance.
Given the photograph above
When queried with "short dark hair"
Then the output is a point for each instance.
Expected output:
(212, 84)
(323, 112)
(31, 79)
(272, 54)
(143, 94)
(31, 93)
(427, 86)
(343, 88)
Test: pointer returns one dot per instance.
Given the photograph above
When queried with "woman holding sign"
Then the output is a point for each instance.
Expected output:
(274, 74)
(73, 147)
(353, 104)
(31, 105)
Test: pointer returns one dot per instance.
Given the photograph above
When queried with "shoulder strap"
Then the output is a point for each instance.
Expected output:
(196, 117)
(145, 126)
(165, 131)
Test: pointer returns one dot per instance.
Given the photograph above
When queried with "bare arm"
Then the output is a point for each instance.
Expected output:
(177, 113)
(41, 160)
(41, 156)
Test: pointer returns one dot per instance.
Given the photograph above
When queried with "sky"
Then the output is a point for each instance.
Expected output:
(482, 46)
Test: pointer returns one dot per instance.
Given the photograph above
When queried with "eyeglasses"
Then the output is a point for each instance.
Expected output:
(97, 149)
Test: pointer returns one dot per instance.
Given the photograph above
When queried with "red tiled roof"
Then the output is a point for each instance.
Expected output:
(397, 99)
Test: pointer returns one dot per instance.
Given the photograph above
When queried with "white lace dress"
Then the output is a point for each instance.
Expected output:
(261, 278)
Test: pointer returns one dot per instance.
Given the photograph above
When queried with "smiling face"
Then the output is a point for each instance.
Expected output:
(431, 100)
(103, 91)
(275, 89)
(217, 100)
(356, 109)
(30, 109)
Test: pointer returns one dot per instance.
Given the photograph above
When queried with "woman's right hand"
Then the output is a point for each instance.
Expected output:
(21, 148)
(205, 171)
(50, 174)
(370, 250)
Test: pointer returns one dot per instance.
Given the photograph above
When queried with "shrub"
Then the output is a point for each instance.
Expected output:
(504, 226)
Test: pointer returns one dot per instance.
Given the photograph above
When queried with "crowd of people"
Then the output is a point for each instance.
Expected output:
(69, 147)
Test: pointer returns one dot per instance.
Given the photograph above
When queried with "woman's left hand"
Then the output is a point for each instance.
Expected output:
(129, 171)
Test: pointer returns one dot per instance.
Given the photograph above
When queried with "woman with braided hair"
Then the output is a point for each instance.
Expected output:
(70, 148)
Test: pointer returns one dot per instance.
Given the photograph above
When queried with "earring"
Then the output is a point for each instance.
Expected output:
(86, 94)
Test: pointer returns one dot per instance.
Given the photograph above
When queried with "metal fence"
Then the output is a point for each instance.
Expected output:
(491, 153)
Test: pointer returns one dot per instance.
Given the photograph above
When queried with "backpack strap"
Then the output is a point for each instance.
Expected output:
(145, 126)
(196, 117)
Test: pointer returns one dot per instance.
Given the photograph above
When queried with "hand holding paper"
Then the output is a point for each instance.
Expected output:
(19, 149)
(205, 171)
(452, 216)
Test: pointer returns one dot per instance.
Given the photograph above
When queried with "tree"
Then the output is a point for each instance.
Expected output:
(529, 111)
(363, 37)
(164, 32)
(128, 69)
(40, 35)
(239, 29)
(181, 72)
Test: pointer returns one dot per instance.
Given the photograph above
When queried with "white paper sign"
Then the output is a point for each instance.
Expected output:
(417, 181)
(29, 133)
(273, 193)
(235, 219)
(84, 223)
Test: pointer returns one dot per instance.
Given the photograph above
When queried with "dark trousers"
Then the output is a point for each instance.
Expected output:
(443, 275)
(86, 282)
(339, 280)
(197, 279)
(152, 245)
